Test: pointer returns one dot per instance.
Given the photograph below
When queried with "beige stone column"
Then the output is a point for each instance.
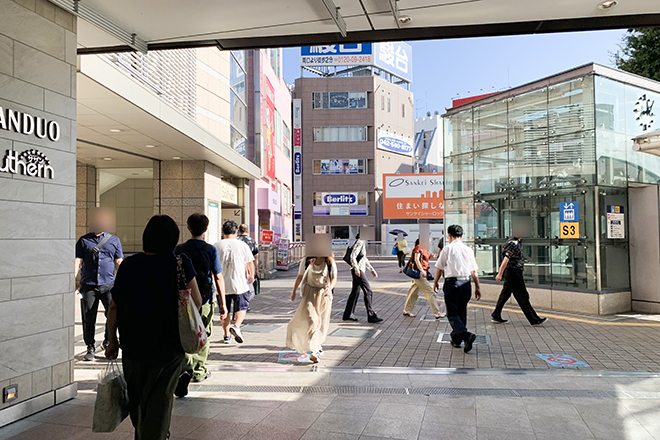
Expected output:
(85, 196)
(38, 212)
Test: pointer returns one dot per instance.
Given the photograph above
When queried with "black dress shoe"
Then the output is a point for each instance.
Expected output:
(455, 344)
(543, 320)
(469, 342)
(181, 389)
(376, 319)
(352, 318)
(498, 320)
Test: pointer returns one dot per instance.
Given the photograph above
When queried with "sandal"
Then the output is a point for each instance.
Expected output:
(440, 315)
(405, 313)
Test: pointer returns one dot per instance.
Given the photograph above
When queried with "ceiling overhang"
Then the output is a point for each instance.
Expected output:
(124, 121)
(167, 24)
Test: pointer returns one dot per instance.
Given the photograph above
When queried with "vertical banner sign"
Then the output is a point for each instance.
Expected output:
(297, 169)
(615, 223)
(214, 222)
(569, 220)
(269, 114)
(283, 253)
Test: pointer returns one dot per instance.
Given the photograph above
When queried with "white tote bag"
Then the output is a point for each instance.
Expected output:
(191, 328)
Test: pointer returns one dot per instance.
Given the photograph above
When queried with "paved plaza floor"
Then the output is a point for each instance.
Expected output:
(395, 380)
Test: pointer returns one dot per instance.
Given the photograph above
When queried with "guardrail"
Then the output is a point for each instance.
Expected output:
(268, 258)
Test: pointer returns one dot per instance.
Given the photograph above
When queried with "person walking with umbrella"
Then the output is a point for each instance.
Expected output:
(401, 247)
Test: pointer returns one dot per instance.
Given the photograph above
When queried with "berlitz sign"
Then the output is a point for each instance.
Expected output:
(340, 199)
(31, 163)
(24, 123)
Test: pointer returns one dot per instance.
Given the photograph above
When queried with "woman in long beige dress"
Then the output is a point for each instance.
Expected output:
(308, 327)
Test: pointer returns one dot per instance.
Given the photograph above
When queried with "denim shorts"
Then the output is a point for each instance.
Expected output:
(238, 302)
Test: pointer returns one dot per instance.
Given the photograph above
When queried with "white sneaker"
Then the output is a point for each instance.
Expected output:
(320, 351)
(237, 333)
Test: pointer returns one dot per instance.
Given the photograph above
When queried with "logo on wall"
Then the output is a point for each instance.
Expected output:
(31, 163)
(27, 124)
(644, 110)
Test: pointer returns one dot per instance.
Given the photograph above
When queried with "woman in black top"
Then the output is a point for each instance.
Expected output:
(144, 308)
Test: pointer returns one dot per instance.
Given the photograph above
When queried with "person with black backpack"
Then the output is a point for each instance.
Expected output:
(206, 262)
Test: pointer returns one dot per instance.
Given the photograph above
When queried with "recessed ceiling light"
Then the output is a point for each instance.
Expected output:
(176, 158)
(150, 146)
(115, 130)
(609, 4)
(405, 19)
(136, 174)
(146, 171)
(107, 158)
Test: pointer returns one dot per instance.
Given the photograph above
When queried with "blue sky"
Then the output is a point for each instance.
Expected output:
(443, 69)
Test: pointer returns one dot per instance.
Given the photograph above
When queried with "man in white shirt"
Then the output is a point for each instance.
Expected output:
(236, 259)
(458, 263)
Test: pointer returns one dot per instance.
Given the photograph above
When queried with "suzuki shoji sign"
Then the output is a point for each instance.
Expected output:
(413, 196)
(297, 169)
(394, 143)
(395, 58)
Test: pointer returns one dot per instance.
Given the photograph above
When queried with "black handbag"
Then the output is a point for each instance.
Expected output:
(347, 255)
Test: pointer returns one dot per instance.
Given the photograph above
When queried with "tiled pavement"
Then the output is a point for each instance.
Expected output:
(395, 384)
(605, 343)
(547, 405)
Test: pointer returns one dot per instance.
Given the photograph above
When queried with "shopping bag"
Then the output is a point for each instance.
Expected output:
(394, 250)
(111, 406)
(406, 250)
(192, 331)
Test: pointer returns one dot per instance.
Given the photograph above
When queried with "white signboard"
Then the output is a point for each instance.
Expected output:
(297, 169)
(214, 222)
(394, 143)
(616, 228)
(410, 186)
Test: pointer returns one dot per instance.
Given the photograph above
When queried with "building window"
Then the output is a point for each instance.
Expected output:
(403, 110)
(340, 166)
(340, 100)
(340, 134)
(237, 74)
(286, 140)
(278, 130)
(389, 105)
(382, 102)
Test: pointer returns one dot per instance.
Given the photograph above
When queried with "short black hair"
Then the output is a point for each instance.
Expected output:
(455, 231)
(229, 227)
(243, 229)
(417, 242)
(161, 235)
(198, 224)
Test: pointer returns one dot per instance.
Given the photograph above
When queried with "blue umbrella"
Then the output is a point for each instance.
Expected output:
(398, 231)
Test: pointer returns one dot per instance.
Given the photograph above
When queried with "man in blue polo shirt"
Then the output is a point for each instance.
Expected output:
(98, 255)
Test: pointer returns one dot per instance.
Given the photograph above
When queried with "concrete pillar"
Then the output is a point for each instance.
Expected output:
(37, 210)
(85, 196)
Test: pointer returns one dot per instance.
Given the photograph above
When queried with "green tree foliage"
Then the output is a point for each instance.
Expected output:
(639, 52)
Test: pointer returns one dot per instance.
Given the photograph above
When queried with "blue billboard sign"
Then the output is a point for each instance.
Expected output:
(395, 144)
(297, 163)
(395, 58)
(337, 49)
(569, 212)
